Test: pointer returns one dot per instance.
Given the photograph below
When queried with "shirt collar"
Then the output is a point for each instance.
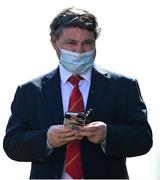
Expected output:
(64, 75)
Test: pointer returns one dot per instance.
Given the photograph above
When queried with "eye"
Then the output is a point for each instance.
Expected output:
(70, 42)
(89, 42)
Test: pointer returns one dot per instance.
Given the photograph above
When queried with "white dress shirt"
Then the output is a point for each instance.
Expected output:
(66, 88)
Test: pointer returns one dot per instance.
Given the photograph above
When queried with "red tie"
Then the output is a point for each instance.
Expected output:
(73, 164)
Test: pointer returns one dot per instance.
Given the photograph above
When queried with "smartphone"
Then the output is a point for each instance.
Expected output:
(74, 120)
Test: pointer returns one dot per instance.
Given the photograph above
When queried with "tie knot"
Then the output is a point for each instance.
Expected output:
(74, 80)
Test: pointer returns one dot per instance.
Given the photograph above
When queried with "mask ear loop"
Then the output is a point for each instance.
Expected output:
(59, 49)
(58, 45)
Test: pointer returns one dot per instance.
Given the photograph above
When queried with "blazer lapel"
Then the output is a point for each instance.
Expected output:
(100, 84)
(52, 96)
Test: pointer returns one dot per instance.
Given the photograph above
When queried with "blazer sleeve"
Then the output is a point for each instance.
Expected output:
(133, 135)
(21, 142)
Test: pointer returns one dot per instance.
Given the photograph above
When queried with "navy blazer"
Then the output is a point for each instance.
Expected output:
(115, 100)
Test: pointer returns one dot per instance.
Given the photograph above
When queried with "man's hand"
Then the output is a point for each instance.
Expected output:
(95, 132)
(58, 135)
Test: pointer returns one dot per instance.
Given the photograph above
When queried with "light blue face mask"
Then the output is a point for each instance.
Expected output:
(77, 63)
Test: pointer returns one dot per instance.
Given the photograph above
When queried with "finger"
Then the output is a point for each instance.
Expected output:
(78, 136)
(63, 130)
(65, 135)
(69, 139)
(89, 128)
(64, 140)
(86, 133)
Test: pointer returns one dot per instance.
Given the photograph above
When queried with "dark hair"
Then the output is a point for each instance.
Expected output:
(72, 17)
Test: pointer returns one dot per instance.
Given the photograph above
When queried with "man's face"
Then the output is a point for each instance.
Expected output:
(76, 40)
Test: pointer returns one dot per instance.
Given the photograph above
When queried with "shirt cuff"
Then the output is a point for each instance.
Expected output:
(49, 148)
(103, 145)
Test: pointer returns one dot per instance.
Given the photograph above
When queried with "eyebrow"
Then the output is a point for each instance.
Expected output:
(73, 40)
(70, 40)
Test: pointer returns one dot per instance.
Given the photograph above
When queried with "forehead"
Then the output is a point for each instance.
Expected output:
(75, 33)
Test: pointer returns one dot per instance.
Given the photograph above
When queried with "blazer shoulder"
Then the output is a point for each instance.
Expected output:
(39, 81)
(113, 75)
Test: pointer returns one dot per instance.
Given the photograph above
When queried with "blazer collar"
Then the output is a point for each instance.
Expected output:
(52, 96)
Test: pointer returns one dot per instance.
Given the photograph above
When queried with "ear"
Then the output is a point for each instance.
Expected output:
(55, 46)
(53, 41)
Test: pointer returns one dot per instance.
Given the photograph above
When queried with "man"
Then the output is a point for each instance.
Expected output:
(117, 127)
